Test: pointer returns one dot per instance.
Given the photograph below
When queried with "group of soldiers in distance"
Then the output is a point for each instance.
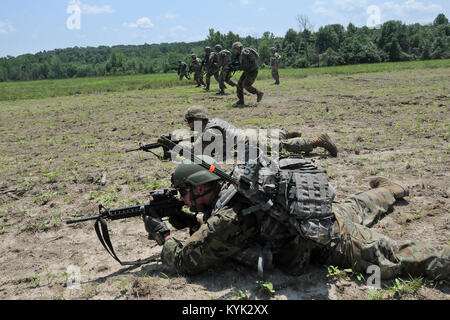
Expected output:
(221, 64)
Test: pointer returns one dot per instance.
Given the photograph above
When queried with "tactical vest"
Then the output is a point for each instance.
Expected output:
(293, 191)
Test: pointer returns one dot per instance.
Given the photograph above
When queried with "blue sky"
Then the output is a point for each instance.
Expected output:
(29, 26)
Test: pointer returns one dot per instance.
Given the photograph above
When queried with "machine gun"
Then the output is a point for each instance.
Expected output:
(162, 204)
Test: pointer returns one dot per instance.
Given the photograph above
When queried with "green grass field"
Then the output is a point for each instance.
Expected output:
(68, 87)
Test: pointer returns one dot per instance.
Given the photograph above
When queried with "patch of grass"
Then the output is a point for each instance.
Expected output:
(402, 287)
(265, 288)
(68, 87)
(239, 294)
(45, 198)
(376, 294)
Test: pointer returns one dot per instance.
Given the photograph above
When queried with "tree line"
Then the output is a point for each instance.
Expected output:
(329, 46)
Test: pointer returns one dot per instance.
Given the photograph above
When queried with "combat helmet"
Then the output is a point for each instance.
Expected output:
(208, 49)
(189, 173)
(218, 48)
(196, 112)
(193, 56)
(237, 45)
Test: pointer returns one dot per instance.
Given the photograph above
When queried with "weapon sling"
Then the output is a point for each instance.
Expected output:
(103, 236)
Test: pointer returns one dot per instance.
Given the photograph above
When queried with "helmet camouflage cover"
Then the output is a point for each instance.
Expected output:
(237, 45)
(196, 112)
(218, 48)
(192, 174)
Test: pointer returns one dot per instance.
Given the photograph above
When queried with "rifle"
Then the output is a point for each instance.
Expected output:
(162, 204)
(234, 66)
(156, 145)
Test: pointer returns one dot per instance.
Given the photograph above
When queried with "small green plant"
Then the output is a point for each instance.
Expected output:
(401, 287)
(334, 272)
(376, 294)
(265, 287)
(239, 294)
(51, 177)
(45, 198)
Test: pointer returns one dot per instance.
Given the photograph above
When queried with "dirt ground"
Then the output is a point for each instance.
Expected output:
(55, 153)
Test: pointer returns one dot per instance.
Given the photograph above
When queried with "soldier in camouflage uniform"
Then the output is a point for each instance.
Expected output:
(342, 238)
(247, 62)
(225, 69)
(209, 130)
(274, 64)
(196, 67)
(211, 63)
(289, 141)
(182, 70)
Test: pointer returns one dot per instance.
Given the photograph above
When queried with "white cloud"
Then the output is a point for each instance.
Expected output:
(170, 15)
(245, 2)
(141, 23)
(88, 9)
(350, 5)
(411, 5)
(173, 31)
(6, 27)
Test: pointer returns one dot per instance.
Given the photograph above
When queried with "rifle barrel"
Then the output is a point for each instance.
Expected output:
(81, 220)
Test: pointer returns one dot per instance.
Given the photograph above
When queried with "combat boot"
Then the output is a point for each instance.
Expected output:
(221, 93)
(325, 142)
(397, 190)
(259, 95)
(238, 104)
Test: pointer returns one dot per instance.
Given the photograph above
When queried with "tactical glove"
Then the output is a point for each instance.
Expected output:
(183, 220)
(157, 230)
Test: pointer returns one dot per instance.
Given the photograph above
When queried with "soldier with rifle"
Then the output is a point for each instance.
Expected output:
(183, 70)
(282, 214)
(224, 58)
(211, 63)
(247, 62)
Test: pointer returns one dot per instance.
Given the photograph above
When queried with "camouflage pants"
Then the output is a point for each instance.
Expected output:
(198, 77)
(359, 247)
(297, 145)
(245, 82)
(225, 77)
(209, 74)
(184, 74)
(275, 75)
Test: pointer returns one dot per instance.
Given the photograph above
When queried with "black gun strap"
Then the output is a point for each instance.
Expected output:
(104, 238)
